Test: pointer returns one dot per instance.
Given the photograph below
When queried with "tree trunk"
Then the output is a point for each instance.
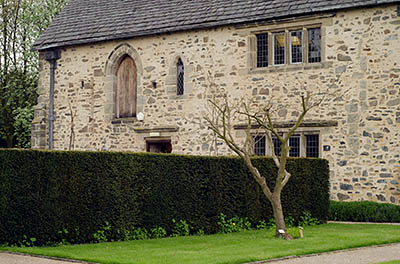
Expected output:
(5, 38)
(280, 231)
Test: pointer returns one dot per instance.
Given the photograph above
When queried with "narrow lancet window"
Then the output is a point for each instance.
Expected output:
(180, 77)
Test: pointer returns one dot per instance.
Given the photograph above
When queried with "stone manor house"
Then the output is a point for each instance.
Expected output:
(121, 75)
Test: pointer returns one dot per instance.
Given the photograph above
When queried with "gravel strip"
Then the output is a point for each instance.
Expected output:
(16, 258)
(360, 223)
(363, 255)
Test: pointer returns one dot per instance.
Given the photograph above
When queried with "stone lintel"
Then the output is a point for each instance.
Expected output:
(157, 139)
(156, 129)
(321, 123)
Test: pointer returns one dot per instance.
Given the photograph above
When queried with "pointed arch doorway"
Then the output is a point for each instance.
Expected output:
(126, 88)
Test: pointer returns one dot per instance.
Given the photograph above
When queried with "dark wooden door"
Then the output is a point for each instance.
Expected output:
(127, 88)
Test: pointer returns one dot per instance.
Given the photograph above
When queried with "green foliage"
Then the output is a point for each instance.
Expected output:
(63, 234)
(17, 97)
(364, 212)
(261, 225)
(200, 232)
(43, 192)
(181, 228)
(136, 234)
(21, 23)
(294, 232)
(235, 224)
(158, 232)
(103, 234)
(66, 237)
(266, 225)
(289, 221)
(27, 242)
(307, 220)
(23, 126)
(271, 223)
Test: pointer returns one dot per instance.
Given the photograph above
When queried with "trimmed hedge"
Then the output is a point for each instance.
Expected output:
(364, 212)
(43, 194)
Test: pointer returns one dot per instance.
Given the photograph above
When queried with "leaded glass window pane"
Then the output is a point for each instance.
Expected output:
(277, 146)
(312, 146)
(259, 145)
(296, 46)
(279, 48)
(294, 143)
(314, 45)
(180, 77)
(262, 50)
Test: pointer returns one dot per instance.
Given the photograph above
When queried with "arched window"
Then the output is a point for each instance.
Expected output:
(126, 88)
(180, 77)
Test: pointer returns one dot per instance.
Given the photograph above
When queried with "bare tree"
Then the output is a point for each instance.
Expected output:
(72, 128)
(220, 120)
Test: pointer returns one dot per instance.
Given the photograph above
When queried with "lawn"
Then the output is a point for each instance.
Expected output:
(240, 247)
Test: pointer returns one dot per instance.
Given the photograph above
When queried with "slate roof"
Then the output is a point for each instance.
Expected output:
(89, 21)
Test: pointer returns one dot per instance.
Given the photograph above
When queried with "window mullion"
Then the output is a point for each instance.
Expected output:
(252, 49)
(287, 47)
(305, 45)
(303, 145)
(270, 49)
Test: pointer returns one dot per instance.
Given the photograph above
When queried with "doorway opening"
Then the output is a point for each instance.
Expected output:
(158, 145)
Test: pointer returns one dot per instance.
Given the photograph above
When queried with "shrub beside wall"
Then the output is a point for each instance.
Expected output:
(364, 212)
(45, 194)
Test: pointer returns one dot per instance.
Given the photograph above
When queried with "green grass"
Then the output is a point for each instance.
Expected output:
(390, 262)
(224, 248)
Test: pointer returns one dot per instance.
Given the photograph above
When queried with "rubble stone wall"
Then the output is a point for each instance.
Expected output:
(361, 61)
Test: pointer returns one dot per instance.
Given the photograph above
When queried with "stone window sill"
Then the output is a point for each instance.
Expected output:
(290, 67)
(127, 120)
(178, 97)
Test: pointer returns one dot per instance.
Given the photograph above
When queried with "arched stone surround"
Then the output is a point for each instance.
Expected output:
(110, 82)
